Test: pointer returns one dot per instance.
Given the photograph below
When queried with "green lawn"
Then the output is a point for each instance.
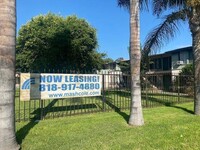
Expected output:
(171, 128)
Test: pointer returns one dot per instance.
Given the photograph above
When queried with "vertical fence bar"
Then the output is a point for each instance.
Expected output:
(115, 88)
(34, 105)
(146, 90)
(29, 113)
(118, 89)
(19, 96)
(103, 92)
(24, 110)
(178, 89)
(41, 110)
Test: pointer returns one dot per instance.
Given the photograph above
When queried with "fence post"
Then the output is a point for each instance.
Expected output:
(41, 109)
(146, 91)
(19, 96)
(103, 92)
(178, 89)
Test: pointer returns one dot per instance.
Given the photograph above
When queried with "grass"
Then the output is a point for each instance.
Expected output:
(165, 128)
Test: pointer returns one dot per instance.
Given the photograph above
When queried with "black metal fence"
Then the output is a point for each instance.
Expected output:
(157, 90)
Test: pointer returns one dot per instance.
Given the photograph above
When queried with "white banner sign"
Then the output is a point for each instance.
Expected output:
(56, 86)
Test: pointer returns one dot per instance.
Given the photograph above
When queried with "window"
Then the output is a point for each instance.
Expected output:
(167, 63)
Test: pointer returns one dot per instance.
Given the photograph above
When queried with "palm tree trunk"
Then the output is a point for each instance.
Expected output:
(195, 29)
(7, 74)
(136, 116)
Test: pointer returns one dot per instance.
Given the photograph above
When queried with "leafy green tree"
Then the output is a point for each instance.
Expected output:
(41, 42)
(83, 43)
(107, 60)
(7, 74)
(186, 79)
(187, 70)
(53, 42)
(124, 66)
(184, 82)
(177, 11)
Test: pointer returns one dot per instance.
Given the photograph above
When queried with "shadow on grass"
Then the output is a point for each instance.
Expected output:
(55, 109)
(182, 108)
(116, 109)
(168, 104)
(41, 113)
(23, 132)
(158, 102)
(125, 94)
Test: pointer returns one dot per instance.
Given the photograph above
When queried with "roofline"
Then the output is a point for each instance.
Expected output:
(179, 49)
(172, 51)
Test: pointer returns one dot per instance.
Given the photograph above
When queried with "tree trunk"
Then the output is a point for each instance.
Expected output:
(195, 29)
(136, 116)
(7, 74)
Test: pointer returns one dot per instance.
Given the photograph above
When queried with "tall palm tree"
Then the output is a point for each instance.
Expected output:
(180, 10)
(7, 74)
(136, 115)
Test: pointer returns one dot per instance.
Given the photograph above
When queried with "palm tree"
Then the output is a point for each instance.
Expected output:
(180, 10)
(136, 115)
(7, 74)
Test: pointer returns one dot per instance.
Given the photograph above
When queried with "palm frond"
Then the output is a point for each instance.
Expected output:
(164, 31)
(126, 4)
(161, 5)
(144, 4)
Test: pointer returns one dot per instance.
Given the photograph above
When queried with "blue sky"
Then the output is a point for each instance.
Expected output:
(110, 21)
